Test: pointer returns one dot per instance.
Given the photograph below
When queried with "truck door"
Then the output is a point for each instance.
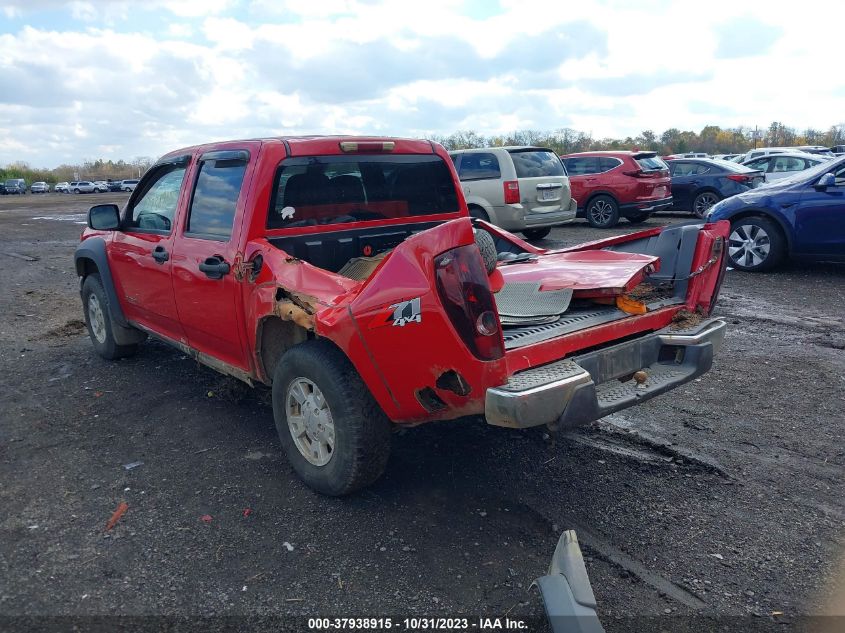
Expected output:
(207, 294)
(140, 253)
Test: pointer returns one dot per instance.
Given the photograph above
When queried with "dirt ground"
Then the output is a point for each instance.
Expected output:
(721, 500)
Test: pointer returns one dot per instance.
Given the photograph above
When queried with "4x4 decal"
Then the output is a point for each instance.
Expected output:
(398, 314)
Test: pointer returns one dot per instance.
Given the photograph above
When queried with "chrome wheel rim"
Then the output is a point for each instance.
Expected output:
(310, 421)
(97, 319)
(703, 203)
(749, 245)
(601, 211)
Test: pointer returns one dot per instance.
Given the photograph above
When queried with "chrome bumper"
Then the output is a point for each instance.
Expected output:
(590, 386)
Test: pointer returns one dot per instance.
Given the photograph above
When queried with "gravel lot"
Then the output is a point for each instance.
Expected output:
(724, 498)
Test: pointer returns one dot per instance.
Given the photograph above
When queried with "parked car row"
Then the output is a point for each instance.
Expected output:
(96, 186)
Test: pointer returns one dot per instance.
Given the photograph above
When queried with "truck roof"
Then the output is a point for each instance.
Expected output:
(320, 145)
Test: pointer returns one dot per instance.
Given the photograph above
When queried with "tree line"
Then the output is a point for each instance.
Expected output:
(712, 139)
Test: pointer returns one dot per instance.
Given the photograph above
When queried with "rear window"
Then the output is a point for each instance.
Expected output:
(536, 163)
(315, 190)
(651, 163)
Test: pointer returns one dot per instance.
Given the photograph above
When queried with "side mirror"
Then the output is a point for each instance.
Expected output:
(828, 180)
(104, 217)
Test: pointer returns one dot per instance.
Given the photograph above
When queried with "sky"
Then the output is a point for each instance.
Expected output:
(115, 79)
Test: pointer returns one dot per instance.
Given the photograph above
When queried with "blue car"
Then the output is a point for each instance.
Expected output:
(802, 216)
(699, 183)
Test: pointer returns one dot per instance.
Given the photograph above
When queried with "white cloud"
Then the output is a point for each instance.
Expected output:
(125, 79)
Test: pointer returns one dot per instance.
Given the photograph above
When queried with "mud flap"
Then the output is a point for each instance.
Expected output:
(566, 591)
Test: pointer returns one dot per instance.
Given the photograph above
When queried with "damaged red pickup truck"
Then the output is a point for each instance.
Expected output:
(347, 273)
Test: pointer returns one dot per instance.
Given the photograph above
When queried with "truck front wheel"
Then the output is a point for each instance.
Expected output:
(98, 318)
(333, 432)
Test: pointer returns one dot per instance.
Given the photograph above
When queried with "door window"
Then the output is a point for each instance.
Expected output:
(606, 163)
(155, 210)
(479, 167)
(787, 163)
(582, 166)
(761, 163)
(212, 212)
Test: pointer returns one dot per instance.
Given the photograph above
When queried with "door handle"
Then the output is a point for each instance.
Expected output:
(160, 254)
(214, 267)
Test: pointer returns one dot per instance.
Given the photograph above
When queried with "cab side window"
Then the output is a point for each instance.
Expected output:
(215, 199)
(155, 210)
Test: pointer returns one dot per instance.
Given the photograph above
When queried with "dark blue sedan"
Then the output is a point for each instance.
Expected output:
(802, 216)
(699, 183)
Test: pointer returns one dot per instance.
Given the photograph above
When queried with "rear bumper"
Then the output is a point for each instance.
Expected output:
(590, 386)
(515, 217)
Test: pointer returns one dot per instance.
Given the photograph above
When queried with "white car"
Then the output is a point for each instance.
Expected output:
(81, 186)
(101, 186)
(781, 165)
(128, 185)
(61, 187)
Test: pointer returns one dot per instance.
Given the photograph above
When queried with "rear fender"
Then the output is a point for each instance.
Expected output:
(405, 332)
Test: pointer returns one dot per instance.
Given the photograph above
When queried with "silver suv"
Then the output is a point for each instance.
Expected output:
(522, 189)
(81, 186)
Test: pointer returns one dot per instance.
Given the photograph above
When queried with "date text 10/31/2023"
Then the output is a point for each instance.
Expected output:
(418, 624)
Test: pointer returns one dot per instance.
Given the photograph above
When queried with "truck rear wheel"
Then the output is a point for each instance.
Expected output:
(333, 432)
(99, 322)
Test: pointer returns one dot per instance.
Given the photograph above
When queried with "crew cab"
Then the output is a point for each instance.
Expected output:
(347, 274)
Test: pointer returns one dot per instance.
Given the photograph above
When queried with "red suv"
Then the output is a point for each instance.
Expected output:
(610, 185)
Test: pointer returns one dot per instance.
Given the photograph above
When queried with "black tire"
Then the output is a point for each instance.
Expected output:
(76, 191)
(487, 245)
(536, 234)
(102, 339)
(638, 219)
(602, 212)
(747, 244)
(361, 429)
(702, 202)
(479, 213)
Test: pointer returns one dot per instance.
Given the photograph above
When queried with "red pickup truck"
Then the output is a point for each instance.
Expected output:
(347, 274)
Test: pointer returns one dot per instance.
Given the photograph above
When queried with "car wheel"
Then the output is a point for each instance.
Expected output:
(334, 433)
(638, 219)
(603, 212)
(479, 213)
(76, 191)
(98, 319)
(703, 201)
(536, 234)
(127, 189)
(755, 244)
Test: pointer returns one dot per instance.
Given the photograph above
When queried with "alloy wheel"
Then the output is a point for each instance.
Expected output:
(601, 211)
(97, 318)
(310, 421)
(749, 245)
(703, 203)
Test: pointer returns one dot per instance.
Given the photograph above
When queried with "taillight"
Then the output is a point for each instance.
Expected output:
(466, 297)
(511, 191)
(740, 178)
